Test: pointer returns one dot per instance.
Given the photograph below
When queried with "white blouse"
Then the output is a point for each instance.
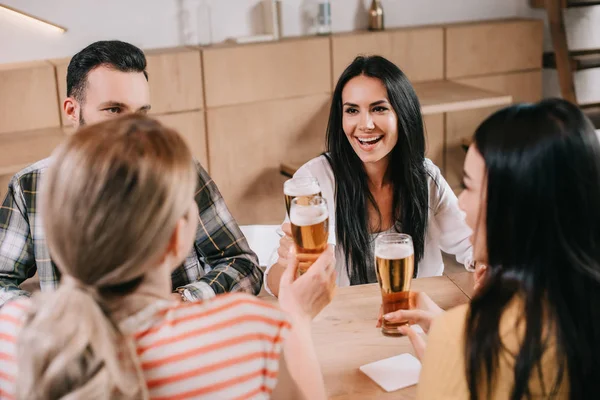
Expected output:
(446, 231)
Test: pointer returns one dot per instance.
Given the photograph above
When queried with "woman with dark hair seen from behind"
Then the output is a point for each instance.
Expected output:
(532, 196)
(376, 178)
(120, 216)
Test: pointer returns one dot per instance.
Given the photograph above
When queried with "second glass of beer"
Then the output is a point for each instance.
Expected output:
(309, 219)
(303, 187)
(394, 264)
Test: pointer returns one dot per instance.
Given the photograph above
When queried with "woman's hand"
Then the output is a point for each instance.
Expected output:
(286, 244)
(479, 275)
(303, 298)
(423, 314)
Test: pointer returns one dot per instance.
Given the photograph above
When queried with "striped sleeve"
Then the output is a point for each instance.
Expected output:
(225, 348)
(11, 316)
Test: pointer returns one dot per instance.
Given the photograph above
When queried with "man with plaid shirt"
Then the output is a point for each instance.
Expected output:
(104, 80)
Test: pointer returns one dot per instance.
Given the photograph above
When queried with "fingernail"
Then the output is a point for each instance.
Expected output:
(388, 316)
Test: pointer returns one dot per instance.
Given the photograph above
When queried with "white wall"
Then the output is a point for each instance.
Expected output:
(165, 23)
(583, 32)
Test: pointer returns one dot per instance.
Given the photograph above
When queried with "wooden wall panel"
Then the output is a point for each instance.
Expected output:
(191, 126)
(21, 149)
(61, 80)
(4, 179)
(247, 144)
(61, 65)
(175, 78)
(28, 97)
(419, 52)
(266, 71)
(522, 86)
(493, 47)
(435, 136)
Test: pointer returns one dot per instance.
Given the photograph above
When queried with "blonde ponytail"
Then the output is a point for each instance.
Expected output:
(110, 203)
(74, 343)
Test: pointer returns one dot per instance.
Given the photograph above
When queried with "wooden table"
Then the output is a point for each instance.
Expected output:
(346, 338)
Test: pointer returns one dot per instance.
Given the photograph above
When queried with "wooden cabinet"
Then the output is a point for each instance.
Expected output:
(247, 144)
(522, 86)
(493, 47)
(419, 52)
(28, 97)
(266, 71)
(175, 78)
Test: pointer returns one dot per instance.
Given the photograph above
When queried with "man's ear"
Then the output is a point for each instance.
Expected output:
(72, 110)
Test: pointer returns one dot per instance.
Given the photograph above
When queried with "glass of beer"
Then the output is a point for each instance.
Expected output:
(302, 188)
(309, 219)
(394, 264)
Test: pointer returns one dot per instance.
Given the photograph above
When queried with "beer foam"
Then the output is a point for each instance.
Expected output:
(394, 251)
(294, 190)
(306, 216)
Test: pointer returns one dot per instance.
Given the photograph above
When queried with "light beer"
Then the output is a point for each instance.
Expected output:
(309, 220)
(394, 263)
(301, 188)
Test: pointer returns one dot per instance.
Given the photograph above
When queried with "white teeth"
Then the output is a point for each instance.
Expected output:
(368, 141)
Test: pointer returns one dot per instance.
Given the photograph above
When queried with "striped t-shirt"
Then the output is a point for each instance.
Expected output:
(225, 348)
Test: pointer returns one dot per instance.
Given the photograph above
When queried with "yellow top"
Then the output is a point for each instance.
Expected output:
(444, 376)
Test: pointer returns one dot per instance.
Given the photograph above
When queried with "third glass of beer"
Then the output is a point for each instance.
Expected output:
(309, 219)
(394, 264)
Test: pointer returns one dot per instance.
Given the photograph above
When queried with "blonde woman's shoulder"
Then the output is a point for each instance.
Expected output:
(15, 308)
(234, 307)
(12, 315)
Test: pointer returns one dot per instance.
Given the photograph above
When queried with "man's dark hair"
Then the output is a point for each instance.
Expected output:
(114, 54)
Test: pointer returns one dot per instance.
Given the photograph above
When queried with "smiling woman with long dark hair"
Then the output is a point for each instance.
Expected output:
(376, 178)
(532, 197)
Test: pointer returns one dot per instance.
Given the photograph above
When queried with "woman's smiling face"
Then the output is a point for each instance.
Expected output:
(369, 121)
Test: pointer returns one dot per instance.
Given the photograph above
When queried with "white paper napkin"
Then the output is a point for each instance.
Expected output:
(394, 373)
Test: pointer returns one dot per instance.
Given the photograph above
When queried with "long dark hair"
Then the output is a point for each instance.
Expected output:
(543, 242)
(406, 170)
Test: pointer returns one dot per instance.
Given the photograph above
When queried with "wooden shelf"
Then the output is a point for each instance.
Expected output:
(20, 149)
(447, 96)
(580, 59)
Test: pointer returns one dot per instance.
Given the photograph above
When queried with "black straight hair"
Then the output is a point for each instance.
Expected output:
(543, 244)
(115, 54)
(406, 169)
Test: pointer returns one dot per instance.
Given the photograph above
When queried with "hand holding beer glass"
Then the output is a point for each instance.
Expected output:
(394, 264)
(309, 218)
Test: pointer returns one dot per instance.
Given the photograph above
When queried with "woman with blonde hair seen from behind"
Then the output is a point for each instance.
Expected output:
(119, 212)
